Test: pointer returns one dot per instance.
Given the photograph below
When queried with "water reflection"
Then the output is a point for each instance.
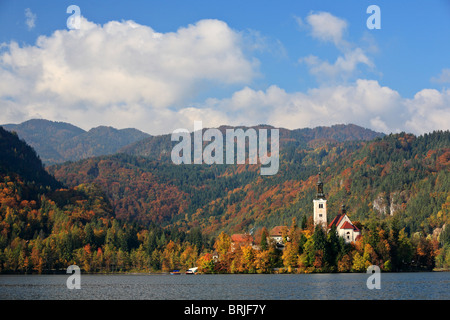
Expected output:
(427, 285)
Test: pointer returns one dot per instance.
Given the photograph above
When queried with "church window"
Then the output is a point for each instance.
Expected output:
(321, 205)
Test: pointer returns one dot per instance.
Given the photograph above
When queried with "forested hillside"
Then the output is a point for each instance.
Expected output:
(159, 147)
(125, 212)
(18, 158)
(395, 175)
(45, 228)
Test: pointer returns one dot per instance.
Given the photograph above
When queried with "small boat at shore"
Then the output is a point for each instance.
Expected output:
(192, 270)
(175, 272)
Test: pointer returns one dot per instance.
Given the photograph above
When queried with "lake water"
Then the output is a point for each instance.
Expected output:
(394, 286)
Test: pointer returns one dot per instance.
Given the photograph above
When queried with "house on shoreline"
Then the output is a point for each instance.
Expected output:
(278, 235)
(241, 239)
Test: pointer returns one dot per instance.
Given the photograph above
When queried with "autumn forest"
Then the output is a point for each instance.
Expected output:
(132, 210)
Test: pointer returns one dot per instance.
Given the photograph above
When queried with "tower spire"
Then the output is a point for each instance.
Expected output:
(320, 194)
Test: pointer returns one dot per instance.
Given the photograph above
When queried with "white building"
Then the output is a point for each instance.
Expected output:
(278, 234)
(344, 226)
(320, 206)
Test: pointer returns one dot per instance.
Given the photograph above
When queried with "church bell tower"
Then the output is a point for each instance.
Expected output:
(320, 205)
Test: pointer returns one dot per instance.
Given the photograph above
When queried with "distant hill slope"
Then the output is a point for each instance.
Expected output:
(159, 147)
(99, 141)
(56, 142)
(45, 136)
(18, 158)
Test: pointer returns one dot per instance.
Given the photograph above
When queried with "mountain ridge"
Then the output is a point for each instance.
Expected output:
(57, 141)
(159, 147)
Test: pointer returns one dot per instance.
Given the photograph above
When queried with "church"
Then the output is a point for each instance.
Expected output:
(344, 226)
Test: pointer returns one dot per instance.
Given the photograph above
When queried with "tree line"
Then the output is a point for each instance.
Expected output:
(315, 250)
(77, 226)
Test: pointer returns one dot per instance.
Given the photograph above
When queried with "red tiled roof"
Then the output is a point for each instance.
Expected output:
(241, 237)
(278, 231)
(336, 220)
(347, 225)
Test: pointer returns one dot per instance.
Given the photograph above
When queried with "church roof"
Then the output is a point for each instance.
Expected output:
(346, 225)
(336, 220)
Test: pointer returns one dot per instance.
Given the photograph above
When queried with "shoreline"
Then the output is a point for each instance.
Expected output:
(63, 272)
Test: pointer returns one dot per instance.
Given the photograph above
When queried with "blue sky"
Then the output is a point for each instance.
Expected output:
(289, 63)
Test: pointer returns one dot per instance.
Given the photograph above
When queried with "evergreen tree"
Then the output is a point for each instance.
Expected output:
(264, 236)
(393, 241)
(332, 249)
(89, 234)
(304, 223)
(319, 238)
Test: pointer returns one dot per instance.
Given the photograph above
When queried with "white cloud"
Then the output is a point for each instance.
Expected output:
(364, 102)
(444, 77)
(31, 19)
(344, 67)
(122, 71)
(326, 27)
(329, 28)
(128, 75)
(356, 103)
(429, 110)
(379, 125)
